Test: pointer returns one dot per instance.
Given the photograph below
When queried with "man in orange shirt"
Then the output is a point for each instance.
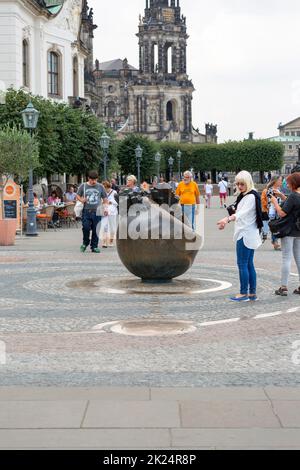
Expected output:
(189, 194)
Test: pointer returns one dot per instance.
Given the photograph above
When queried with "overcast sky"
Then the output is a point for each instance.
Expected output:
(243, 58)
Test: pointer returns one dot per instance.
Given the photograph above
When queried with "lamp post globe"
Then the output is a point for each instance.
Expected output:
(139, 156)
(30, 117)
(30, 120)
(105, 143)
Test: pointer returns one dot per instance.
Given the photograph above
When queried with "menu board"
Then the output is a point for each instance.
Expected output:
(10, 209)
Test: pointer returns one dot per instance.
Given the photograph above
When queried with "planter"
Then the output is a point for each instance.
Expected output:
(8, 228)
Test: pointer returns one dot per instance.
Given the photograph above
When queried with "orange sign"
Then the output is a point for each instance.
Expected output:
(9, 190)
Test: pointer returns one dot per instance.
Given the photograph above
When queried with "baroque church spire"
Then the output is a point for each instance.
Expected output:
(163, 38)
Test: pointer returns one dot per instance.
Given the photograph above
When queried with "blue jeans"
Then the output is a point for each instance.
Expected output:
(245, 261)
(90, 221)
(274, 239)
(189, 211)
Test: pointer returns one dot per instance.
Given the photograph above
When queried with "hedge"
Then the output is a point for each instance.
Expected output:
(257, 155)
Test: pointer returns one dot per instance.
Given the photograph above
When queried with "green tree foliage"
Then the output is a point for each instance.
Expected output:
(257, 155)
(68, 138)
(127, 159)
(18, 153)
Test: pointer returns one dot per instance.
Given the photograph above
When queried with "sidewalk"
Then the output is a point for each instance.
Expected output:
(149, 418)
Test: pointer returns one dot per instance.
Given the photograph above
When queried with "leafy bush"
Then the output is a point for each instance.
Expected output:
(127, 159)
(18, 154)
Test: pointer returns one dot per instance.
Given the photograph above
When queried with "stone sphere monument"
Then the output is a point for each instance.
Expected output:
(153, 243)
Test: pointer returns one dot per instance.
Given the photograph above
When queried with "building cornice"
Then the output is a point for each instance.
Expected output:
(35, 8)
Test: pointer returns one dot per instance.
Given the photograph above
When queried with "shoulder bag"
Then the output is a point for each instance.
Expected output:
(78, 209)
(282, 227)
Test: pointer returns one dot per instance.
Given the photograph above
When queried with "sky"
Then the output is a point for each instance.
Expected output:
(243, 59)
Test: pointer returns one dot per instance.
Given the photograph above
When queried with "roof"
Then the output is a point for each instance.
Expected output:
(52, 6)
(289, 123)
(284, 139)
(116, 64)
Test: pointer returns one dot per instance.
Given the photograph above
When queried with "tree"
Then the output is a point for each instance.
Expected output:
(127, 159)
(18, 153)
(68, 138)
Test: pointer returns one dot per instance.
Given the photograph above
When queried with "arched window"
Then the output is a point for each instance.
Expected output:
(155, 58)
(111, 109)
(25, 59)
(170, 111)
(53, 74)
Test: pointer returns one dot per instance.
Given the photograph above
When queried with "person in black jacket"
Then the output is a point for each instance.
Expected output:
(290, 244)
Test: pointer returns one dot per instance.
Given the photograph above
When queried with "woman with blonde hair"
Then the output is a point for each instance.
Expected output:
(247, 215)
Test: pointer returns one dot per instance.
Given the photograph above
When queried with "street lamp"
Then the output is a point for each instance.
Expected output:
(158, 160)
(171, 163)
(30, 119)
(105, 142)
(139, 155)
(179, 155)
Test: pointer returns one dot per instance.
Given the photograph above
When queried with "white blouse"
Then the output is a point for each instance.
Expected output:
(245, 225)
(113, 207)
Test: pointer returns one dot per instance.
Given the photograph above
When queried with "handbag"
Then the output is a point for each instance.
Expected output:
(78, 209)
(283, 227)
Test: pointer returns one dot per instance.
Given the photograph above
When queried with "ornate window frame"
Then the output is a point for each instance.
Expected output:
(54, 90)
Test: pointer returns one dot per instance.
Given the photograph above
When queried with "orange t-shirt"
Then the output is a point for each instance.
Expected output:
(188, 193)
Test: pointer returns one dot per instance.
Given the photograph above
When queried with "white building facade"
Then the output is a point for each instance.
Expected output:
(43, 46)
(289, 136)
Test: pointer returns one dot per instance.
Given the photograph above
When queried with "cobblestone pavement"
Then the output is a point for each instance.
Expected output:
(58, 308)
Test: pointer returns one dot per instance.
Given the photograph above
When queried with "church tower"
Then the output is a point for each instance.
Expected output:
(160, 98)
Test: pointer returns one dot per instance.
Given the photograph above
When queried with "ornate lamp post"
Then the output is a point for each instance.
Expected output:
(158, 160)
(179, 155)
(30, 119)
(139, 156)
(105, 142)
(171, 163)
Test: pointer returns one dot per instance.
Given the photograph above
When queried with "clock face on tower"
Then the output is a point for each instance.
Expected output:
(54, 6)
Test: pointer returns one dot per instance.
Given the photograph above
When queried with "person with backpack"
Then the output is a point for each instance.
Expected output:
(247, 215)
(269, 213)
(289, 230)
